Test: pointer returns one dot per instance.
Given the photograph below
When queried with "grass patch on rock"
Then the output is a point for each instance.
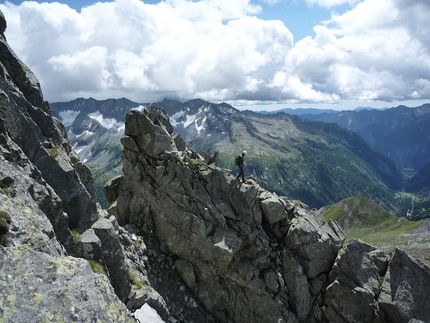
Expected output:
(76, 235)
(97, 267)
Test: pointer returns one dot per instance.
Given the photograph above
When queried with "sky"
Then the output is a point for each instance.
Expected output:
(252, 54)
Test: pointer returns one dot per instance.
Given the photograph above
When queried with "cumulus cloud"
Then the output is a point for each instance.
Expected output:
(374, 51)
(220, 50)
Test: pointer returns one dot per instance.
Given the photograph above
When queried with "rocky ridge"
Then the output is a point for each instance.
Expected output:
(182, 242)
(47, 193)
(247, 254)
(333, 163)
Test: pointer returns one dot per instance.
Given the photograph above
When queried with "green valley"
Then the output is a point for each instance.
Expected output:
(363, 219)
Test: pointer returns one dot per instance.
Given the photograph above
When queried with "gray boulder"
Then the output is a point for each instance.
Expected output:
(61, 289)
(272, 208)
(355, 283)
(91, 246)
(314, 241)
(405, 293)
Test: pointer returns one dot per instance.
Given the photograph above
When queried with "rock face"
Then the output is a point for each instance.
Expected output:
(26, 118)
(367, 286)
(406, 289)
(246, 254)
(46, 193)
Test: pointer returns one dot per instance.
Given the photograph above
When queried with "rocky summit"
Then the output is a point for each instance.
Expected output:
(246, 254)
(182, 240)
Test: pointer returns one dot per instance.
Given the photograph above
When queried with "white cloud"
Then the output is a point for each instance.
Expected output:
(220, 50)
(176, 48)
(372, 52)
(330, 3)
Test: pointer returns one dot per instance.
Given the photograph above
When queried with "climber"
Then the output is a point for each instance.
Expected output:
(240, 164)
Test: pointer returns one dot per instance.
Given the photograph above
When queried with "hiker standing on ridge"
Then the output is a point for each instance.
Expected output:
(240, 164)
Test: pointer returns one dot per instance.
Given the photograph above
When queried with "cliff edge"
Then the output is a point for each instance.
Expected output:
(46, 194)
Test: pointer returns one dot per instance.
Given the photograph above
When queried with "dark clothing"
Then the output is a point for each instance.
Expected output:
(240, 161)
(240, 165)
(241, 173)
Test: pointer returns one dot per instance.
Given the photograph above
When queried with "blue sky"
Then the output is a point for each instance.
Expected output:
(259, 54)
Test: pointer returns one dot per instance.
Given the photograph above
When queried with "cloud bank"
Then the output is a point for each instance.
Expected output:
(221, 51)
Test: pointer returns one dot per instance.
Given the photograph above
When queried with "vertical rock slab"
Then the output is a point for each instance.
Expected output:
(405, 291)
(43, 139)
(355, 283)
(35, 208)
(113, 257)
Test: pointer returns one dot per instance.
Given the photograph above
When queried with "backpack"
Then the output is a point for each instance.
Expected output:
(237, 160)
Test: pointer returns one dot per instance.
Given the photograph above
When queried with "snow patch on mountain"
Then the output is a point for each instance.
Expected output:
(85, 135)
(199, 119)
(108, 123)
(175, 117)
(202, 125)
(68, 117)
(190, 119)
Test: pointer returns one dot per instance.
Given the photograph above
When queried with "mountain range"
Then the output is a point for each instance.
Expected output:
(401, 133)
(316, 162)
(182, 240)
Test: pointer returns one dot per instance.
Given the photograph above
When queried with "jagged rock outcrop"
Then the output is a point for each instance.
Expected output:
(368, 286)
(355, 283)
(46, 193)
(246, 254)
(405, 293)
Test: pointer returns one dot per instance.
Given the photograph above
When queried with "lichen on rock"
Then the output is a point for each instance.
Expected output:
(62, 289)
